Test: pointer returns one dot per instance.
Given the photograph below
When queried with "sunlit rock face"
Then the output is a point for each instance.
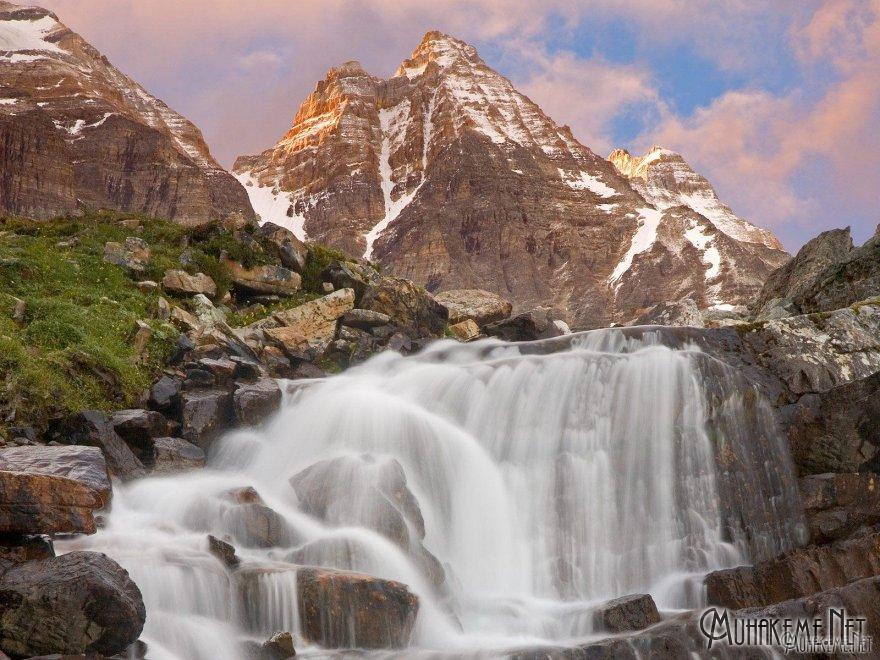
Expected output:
(486, 495)
(76, 132)
(447, 175)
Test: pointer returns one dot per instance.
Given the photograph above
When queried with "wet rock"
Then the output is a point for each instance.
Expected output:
(275, 280)
(255, 525)
(364, 319)
(796, 574)
(465, 330)
(85, 465)
(283, 245)
(92, 428)
(838, 505)
(133, 254)
(412, 309)
(46, 504)
(81, 602)
(165, 394)
(480, 306)
(278, 647)
(254, 402)
(170, 455)
(351, 610)
(181, 283)
(837, 430)
(223, 551)
(204, 415)
(17, 549)
(628, 613)
(529, 326)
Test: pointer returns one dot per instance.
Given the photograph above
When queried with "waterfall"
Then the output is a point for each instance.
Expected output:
(538, 480)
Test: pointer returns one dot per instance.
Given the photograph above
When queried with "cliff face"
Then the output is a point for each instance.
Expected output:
(448, 176)
(76, 132)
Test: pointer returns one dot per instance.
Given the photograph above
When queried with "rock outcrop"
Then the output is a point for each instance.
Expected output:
(76, 132)
(449, 177)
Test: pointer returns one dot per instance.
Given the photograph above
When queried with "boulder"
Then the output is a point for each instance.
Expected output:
(837, 430)
(32, 503)
(85, 465)
(276, 280)
(795, 574)
(133, 254)
(480, 306)
(284, 246)
(365, 319)
(278, 647)
(204, 414)
(81, 602)
(350, 275)
(165, 394)
(254, 402)
(311, 325)
(181, 283)
(838, 505)
(465, 330)
(17, 549)
(254, 524)
(223, 551)
(410, 307)
(92, 428)
(339, 609)
(633, 612)
(137, 427)
(853, 278)
(529, 326)
(170, 455)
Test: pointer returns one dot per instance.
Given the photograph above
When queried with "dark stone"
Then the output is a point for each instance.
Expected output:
(85, 465)
(529, 326)
(81, 602)
(633, 612)
(412, 309)
(92, 428)
(223, 551)
(350, 275)
(254, 402)
(279, 647)
(284, 245)
(222, 368)
(165, 394)
(246, 368)
(197, 377)
(19, 548)
(183, 346)
(138, 427)
(204, 415)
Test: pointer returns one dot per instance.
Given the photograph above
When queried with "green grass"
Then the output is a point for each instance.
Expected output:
(73, 349)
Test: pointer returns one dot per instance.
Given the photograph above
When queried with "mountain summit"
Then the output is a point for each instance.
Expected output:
(449, 176)
(76, 132)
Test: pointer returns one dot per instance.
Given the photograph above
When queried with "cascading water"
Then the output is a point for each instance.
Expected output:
(544, 478)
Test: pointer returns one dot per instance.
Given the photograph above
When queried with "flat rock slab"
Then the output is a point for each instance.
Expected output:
(633, 612)
(32, 503)
(83, 464)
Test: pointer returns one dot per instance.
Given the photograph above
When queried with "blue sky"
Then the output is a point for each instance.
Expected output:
(777, 103)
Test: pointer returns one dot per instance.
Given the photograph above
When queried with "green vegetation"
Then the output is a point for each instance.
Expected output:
(73, 349)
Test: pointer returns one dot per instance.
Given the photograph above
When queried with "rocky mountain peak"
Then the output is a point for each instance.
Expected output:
(449, 176)
(104, 141)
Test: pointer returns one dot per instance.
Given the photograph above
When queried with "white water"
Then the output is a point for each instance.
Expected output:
(548, 482)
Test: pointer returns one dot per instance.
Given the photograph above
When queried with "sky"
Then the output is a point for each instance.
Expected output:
(776, 102)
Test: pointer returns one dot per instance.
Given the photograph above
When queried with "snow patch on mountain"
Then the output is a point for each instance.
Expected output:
(702, 241)
(586, 181)
(28, 34)
(642, 240)
(273, 205)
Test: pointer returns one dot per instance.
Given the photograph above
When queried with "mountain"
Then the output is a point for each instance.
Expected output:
(448, 176)
(76, 132)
